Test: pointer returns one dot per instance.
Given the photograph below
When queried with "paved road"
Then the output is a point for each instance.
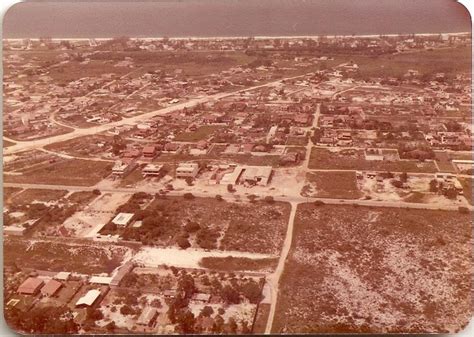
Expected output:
(34, 144)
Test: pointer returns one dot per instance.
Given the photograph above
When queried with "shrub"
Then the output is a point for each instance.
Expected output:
(463, 210)
(319, 203)
(269, 199)
(230, 188)
(96, 191)
(183, 243)
(188, 196)
(219, 197)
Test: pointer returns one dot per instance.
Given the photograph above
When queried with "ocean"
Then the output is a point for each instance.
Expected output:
(227, 18)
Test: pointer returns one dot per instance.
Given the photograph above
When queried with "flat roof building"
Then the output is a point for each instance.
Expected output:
(122, 219)
(152, 170)
(148, 316)
(185, 170)
(257, 175)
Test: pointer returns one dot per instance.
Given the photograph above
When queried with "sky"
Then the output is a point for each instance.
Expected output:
(204, 18)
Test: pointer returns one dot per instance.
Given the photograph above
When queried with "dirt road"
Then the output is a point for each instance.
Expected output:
(274, 279)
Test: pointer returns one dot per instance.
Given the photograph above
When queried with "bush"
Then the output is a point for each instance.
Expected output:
(269, 199)
(219, 197)
(319, 203)
(463, 210)
(127, 310)
(397, 183)
(230, 188)
(188, 196)
(96, 191)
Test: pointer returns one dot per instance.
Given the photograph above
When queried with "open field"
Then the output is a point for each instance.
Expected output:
(57, 256)
(31, 195)
(231, 263)
(208, 223)
(322, 158)
(426, 61)
(376, 270)
(338, 185)
(65, 172)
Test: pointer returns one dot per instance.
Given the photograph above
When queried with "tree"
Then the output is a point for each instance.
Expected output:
(230, 188)
(186, 285)
(127, 310)
(434, 185)
(111, 326)
(219, 197)
(252, 292)
(94, 314)
(451, 193)
(96, 191)
(218, 324)
(189, 181)
(186, 322)
(230, 295)
(192, 226)
(183, 243)
(396, 183)
(207, 311)
(404, 177)
(232, 325)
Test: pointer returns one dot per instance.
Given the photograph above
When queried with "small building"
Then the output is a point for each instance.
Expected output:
(152, 170)
(51, 288)
(120, 274)
(62, 276)
(147, 317)
(121, 168)
(122, 219)
(149, 152)
(89, 298)
(185, 170)
(14, 230)
(31, 286)
(201, 297)
(103, 280)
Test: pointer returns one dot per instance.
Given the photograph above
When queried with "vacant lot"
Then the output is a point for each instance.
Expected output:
(65, 172)
(376, 270)
(210, 224)
(354, 160)
(202, 133)
(57, 256)
(338, 185)
(38, 195)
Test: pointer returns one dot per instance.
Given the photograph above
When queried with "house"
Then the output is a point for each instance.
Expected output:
(121, 168)
(62, 276)
(201, 297)
(51, 288)
(289, 158)
(152, 170)
(149, 152)
(89, 298)
(147, 317)
(187, 170)
(201, 145)
(120, 274)
(14, 230)
(104, 280)
(172, 147)
(30, 286)
(122, 219)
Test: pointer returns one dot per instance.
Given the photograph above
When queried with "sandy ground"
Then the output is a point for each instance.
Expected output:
(87, 223)
(189, 258)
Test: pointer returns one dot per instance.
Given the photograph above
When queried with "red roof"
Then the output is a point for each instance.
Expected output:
(30, 286)
(51, 287)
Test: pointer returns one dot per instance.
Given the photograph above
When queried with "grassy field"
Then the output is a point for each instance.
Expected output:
(202, 133)
(58, 256)
(338, 185)
(322, 158)
(238, 263)
(376, 270)
(65, 172)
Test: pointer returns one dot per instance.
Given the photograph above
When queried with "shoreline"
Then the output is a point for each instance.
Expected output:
(332, 36)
